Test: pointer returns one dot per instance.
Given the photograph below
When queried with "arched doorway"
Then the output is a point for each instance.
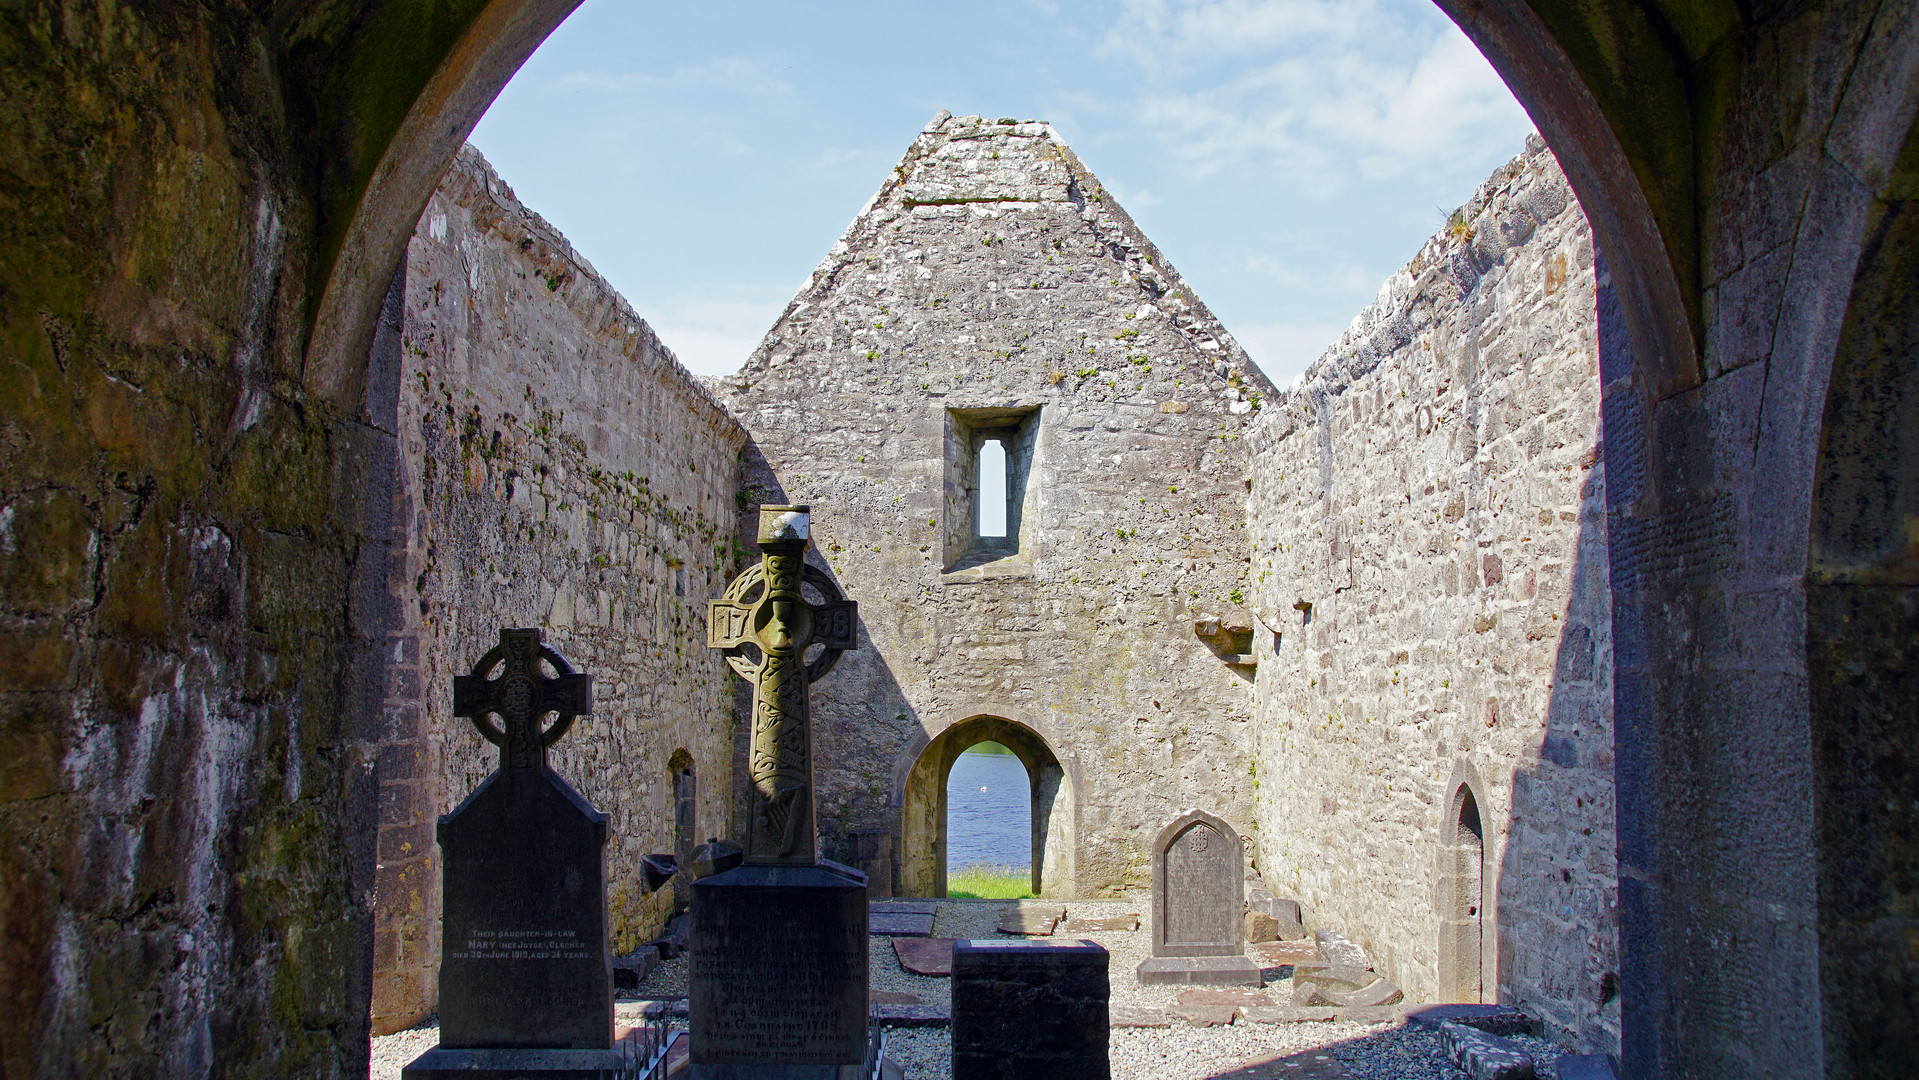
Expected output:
(1462, 895)
(923, 814)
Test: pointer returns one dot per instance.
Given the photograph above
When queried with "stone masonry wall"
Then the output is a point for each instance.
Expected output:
(990, 281)
(1429, 553)
(560, 469)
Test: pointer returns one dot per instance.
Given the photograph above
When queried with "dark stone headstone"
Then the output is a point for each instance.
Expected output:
(1198, 898)
(1030, 1010)
(526, 985)
(778, 978)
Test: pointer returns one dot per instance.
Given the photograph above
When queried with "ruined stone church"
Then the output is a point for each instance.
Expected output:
(1552, 637)
(1363, 620)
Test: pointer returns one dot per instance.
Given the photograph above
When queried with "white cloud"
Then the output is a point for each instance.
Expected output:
(712, 337)
(1284, 350)
(1311, 91)
(732, 74)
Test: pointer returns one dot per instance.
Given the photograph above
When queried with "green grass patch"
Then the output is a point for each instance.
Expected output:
(990, 883)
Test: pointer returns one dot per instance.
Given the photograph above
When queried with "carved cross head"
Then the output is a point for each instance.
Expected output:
(521, 695)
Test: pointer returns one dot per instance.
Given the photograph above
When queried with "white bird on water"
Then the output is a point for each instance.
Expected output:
(982, 787)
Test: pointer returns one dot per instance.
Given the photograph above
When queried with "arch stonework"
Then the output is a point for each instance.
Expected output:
(1468, 938)
(920, 786)
(1743, 155)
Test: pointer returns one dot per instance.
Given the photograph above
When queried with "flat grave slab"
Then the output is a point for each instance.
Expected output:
(1031, 921)
(1214, 1008)
(925, 956)
(905, 907)
(1137, 1016)
(899, 924)
(1110, 924)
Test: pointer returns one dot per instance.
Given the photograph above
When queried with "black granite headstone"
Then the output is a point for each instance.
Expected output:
(778, 979)
(526, 984)
(1198, 895)
(1030, 1010)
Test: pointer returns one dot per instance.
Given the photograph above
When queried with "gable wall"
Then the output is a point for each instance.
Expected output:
(993, 270)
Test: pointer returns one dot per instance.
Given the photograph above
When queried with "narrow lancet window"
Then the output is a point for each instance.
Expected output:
(992, 488)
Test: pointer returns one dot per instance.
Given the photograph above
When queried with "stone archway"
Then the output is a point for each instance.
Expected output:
(923, 807)
(1461, 897)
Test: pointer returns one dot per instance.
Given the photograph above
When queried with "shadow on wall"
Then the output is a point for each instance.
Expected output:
(857, 707)
(1557, 879)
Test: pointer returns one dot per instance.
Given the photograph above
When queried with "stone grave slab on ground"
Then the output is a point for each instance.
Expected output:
(899, 924)
(1111, 924)
(526, 984)
(1137, 1016)
(925, 956)
(1211, 1007)
(905, 907)
(1032, 920)
(1319, 983)
(1035, 1009)
(1198, 899)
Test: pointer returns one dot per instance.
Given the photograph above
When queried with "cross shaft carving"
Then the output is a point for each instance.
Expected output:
(520, 696)
(765, 611)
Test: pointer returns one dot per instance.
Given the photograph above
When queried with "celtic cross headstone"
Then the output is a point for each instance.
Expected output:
(778, 963)
(766, 624)
(524, 969)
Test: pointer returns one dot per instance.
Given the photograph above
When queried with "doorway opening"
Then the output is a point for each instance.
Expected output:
(989, 824)
(1462, 893)
(947, 822)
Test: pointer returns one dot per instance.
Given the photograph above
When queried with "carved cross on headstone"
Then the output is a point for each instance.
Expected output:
(765, 611)
(520, 696)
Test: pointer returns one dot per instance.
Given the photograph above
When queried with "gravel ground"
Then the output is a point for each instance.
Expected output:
(1376, 1052)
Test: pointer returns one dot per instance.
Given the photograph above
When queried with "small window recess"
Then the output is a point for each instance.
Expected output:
(990, 500)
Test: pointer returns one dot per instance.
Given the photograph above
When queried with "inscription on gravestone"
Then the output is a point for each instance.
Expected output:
(1198, 898)
(523, 950)
(1202, 917)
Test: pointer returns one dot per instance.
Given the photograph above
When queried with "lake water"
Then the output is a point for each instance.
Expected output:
(991, 827)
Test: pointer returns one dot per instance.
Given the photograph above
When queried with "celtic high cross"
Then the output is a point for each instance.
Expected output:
(520, 696)
(765, 611)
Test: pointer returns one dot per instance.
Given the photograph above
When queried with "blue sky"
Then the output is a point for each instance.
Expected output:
(1285, 155)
